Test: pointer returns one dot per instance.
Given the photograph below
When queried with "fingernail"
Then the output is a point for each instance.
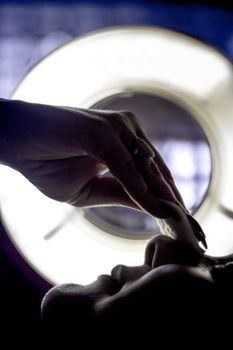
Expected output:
(170, 211)
(197, 230)
(203, 241)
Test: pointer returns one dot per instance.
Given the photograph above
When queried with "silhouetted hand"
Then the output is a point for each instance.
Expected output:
(66, 153)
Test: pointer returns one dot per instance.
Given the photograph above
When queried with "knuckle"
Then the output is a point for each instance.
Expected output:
(131, 118)
(123, 118)
(115, 116)
(130, 115)
(116, 122)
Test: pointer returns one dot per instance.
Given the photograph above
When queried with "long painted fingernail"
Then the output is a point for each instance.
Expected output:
(203, 241)
(170, 211)
(197, 230)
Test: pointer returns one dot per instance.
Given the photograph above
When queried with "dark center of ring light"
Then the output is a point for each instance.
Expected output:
(174, 131)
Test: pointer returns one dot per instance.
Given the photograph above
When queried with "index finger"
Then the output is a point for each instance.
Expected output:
(163, 167)
(124, 168)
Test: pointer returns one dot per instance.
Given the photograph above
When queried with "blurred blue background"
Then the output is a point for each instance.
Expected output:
(31, 29)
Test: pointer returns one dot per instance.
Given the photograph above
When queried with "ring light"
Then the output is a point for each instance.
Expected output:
(59, 241)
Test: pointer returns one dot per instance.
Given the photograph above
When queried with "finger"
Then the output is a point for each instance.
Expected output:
(142, 146)
(163, 250)
(162, 166)
(124, 168)
(159, 160)
(103, 191)
(156, 183)
(109, 191)
(152, 245)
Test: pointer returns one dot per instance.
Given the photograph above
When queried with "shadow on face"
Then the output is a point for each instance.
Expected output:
(168, 289)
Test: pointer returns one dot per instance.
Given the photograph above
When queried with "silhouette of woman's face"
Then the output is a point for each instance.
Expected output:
(167, 281)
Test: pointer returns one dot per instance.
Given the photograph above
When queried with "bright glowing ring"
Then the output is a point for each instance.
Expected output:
(79, 74)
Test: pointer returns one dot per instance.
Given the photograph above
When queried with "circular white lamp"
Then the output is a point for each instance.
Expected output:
(62, 243)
